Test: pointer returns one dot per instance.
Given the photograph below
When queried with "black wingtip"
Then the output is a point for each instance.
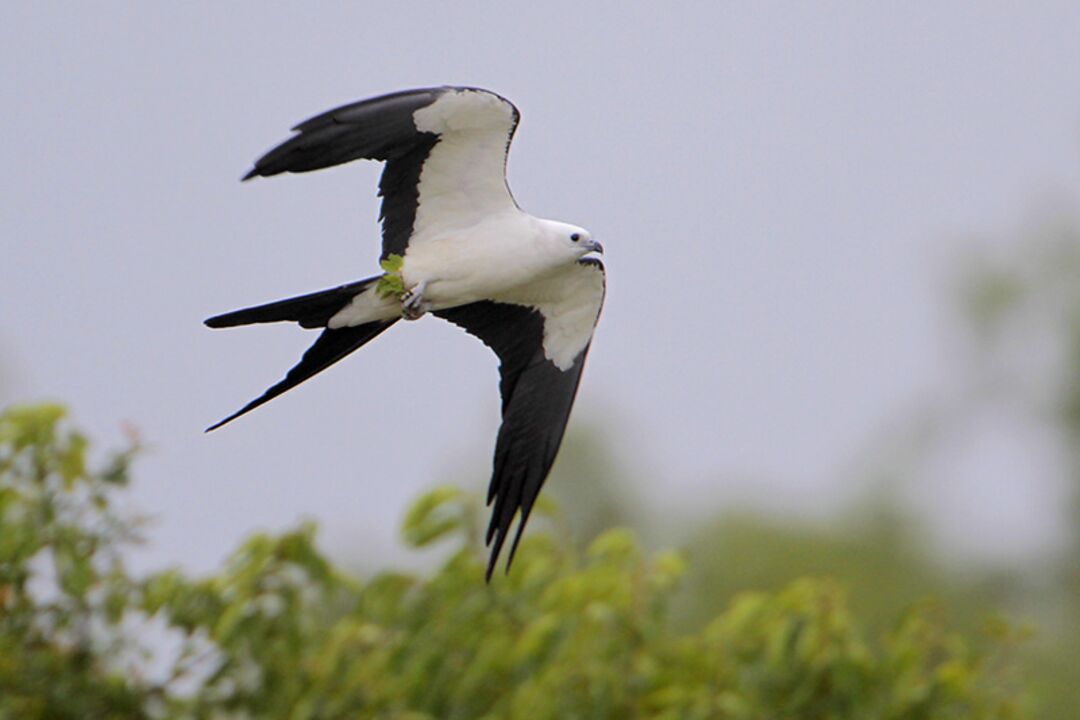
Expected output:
(254, 172)
(492, 562)
(498, 539)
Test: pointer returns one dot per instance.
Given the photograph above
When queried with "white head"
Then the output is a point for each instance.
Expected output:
(576, 241)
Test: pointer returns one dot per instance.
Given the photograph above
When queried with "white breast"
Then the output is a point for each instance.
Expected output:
(503, 252)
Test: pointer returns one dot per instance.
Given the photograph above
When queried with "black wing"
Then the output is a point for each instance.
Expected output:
(537, 394)
(536, 401)
(393, 128)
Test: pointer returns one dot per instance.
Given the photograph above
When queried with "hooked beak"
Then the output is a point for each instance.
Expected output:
(596, 247)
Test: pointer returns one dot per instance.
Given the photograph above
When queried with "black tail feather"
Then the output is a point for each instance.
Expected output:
(311, 310)
(332, 345)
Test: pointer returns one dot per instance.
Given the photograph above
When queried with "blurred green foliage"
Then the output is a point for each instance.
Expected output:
(281, 632)
(63, 587)
(1023, 306)
(1019, 336)
(878, 558)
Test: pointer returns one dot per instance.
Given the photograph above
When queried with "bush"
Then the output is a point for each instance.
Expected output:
(282, 633)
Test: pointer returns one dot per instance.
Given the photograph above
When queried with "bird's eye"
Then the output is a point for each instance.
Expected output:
(575, 237)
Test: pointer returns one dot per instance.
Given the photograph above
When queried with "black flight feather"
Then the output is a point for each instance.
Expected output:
(381, 128)
(536, 400)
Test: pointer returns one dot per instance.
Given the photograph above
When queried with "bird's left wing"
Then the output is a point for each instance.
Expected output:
(445, 151)
(541, 334)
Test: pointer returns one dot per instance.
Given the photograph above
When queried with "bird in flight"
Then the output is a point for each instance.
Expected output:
(454, 244)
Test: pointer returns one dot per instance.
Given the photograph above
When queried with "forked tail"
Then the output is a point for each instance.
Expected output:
(310, 311)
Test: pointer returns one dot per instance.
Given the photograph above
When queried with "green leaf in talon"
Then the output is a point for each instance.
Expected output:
(391, 284)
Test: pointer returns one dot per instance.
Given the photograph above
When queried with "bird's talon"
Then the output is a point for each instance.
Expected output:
(413, 312)
(413, 306)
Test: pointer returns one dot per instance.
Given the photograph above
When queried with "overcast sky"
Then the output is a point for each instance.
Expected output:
(781, 189)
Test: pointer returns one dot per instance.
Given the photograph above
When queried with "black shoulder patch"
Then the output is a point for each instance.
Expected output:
(399, 188)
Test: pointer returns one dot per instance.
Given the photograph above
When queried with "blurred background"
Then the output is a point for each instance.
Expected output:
(842, 334)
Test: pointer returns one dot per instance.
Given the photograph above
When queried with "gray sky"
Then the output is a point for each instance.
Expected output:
(780, 188)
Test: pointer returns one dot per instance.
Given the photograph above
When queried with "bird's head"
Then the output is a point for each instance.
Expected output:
(577, 241)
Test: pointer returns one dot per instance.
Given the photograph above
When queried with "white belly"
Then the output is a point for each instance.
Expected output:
(488, 261)
(481, 262)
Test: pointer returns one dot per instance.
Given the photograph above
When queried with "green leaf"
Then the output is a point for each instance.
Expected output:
(391, 284)
(392, 263)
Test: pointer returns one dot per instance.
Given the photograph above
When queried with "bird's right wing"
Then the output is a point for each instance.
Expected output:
(541, 336)
(445, 151)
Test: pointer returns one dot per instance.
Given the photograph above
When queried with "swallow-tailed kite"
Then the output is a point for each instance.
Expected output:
(456, 244)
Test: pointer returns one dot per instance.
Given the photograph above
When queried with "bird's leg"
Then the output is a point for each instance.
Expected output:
(413, 305)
